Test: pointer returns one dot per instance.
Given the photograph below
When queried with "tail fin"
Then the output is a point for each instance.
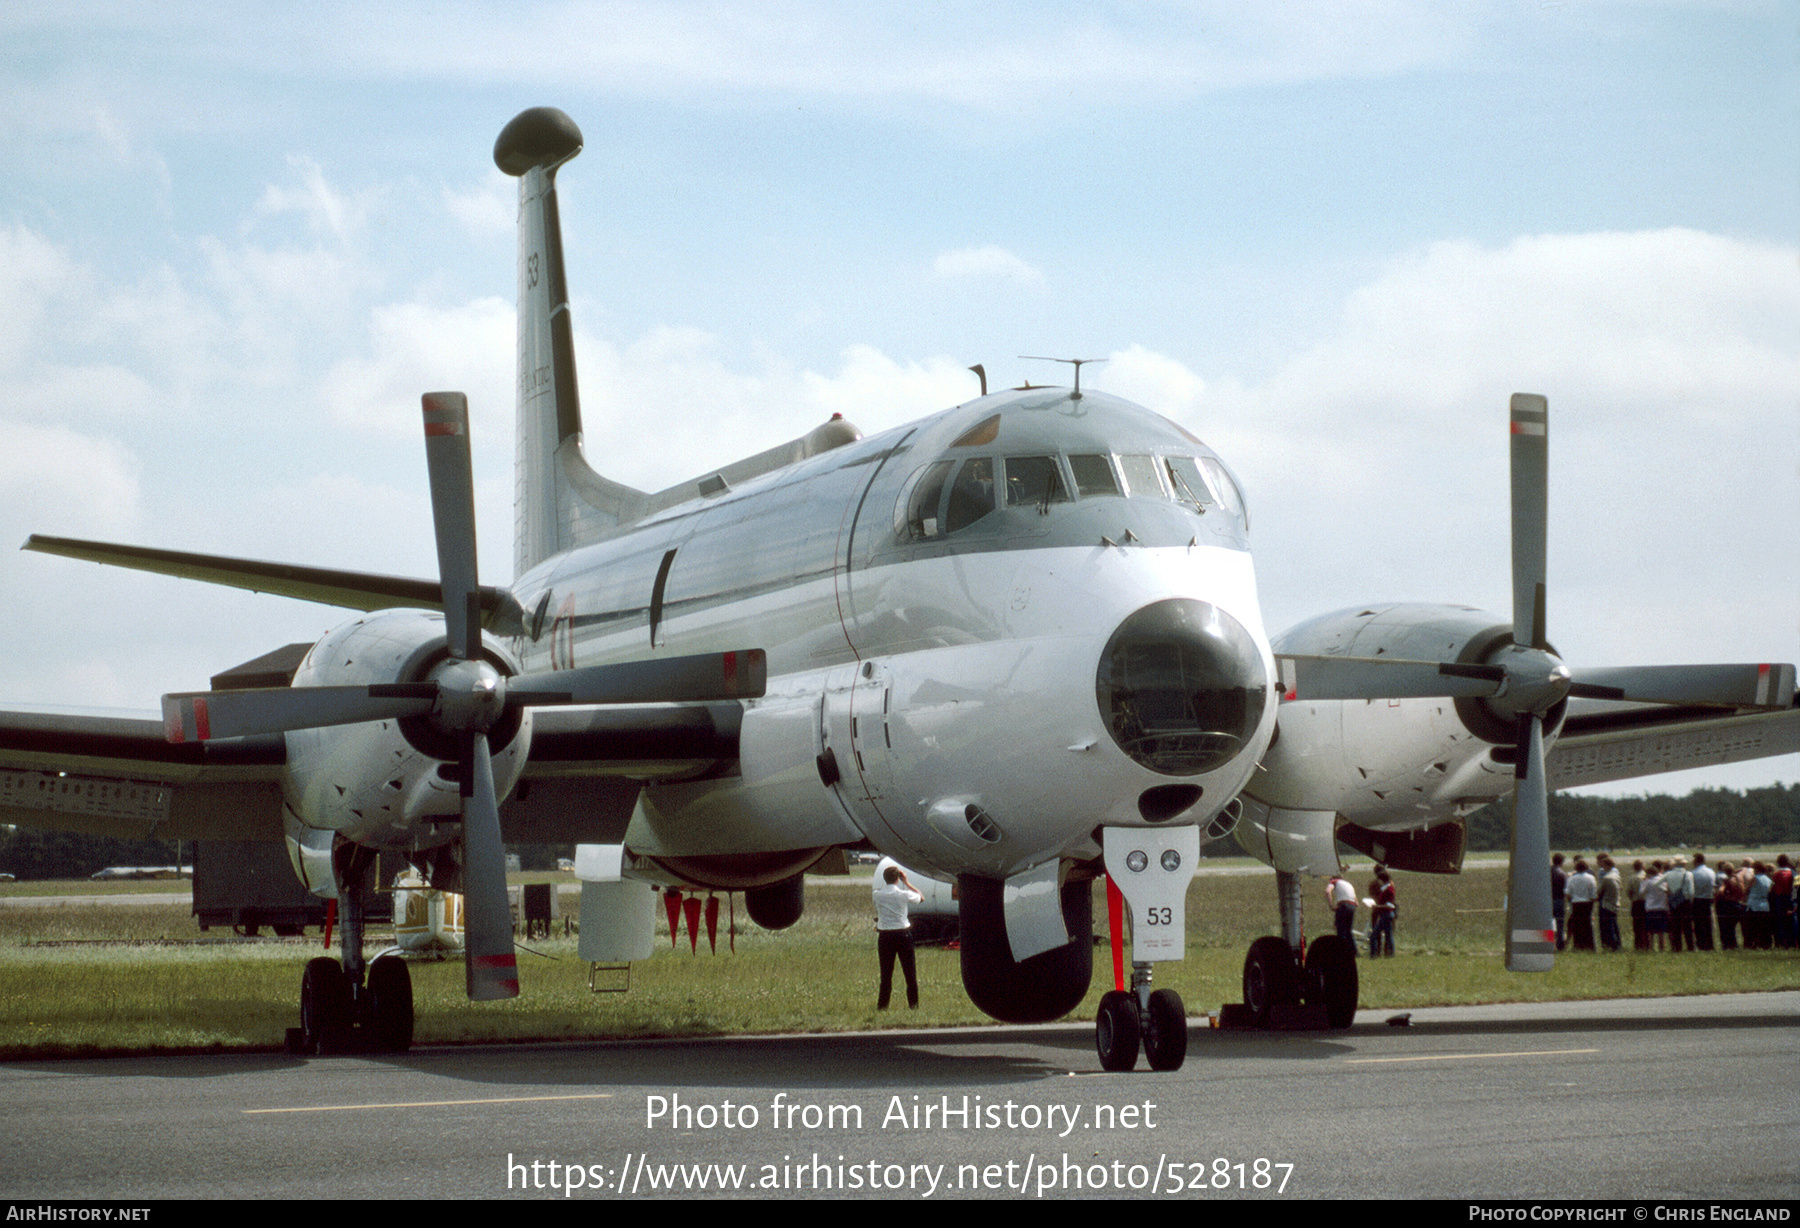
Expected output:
(558, 501)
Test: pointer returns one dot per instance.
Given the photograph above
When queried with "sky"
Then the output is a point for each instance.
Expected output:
(238, 241)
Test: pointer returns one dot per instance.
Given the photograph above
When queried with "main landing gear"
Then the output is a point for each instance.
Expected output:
(1155, 1019)
(338, 1015)
(1276, 981)
(341, 1010)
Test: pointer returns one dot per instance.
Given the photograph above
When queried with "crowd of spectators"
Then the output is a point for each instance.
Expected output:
(1675, 906)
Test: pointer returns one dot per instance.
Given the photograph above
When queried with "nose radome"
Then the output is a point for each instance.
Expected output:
(1181, 686)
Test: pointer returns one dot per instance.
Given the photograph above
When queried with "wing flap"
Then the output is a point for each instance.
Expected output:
(1619, 745)
(116, 775)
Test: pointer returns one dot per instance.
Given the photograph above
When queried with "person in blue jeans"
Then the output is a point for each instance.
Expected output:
(1381, 928)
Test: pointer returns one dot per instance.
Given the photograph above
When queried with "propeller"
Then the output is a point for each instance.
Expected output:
(471, 697)
(1524, 681)
(466, 697)
(1530, 926)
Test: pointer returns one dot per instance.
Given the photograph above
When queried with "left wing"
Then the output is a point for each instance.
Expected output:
(116, 774)
(355, 590)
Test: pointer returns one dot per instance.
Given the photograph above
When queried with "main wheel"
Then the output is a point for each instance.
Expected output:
(324, 1007)
(1165, 1033)
(390, 1018)
(1269, 978)
(1116, 1031)
(1331, 978)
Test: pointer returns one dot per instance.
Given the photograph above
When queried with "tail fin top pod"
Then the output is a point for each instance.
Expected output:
(559, 502)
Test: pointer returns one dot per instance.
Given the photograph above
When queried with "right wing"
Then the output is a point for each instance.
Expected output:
(1602, 742)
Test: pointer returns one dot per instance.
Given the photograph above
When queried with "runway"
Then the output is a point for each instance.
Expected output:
(1643, 1099)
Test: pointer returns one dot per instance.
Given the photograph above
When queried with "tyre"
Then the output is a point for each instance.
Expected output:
(1116, 1031)
(1165, 1037)
(324, 1007)
(1270, 978)
(1332, 979)
(390, 1021)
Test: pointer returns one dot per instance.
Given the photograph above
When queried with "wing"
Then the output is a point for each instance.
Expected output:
(355, 590)
(1603, 742)
(116, 774)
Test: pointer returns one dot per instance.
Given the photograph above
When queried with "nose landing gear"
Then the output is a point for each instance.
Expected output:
(1156, 1019)
(1151, 869)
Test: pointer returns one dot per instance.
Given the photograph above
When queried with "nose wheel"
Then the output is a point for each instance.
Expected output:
(1156, 1020)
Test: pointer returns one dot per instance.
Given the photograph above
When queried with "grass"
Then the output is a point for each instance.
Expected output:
(83, 980)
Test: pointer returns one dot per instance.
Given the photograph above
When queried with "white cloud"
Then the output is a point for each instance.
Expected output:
(489, 208)
(983, 263)
(328, 212)
(60, 481)
(1154, 380)
(415, 348)
(1376, 458)
(875, 391)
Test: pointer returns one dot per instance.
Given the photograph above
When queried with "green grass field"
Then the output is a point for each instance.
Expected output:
(93, 979)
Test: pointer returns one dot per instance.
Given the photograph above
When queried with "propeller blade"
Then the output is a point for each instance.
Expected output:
(1530, 927)
(1732, 686)
(198, 716)
(453, 517)
(489, 964)
(1530, 516)
(708, 675)
(1313, 677)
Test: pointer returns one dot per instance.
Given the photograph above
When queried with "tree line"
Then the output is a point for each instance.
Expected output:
(1768, 817)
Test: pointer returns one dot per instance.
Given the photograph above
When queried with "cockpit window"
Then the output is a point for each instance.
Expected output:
(972, 495)
(1229, 494)
(919, 519)
(1093, 476)
(1141, 477)
(1034, 479)
(1187, 481)
(938, 503)
(983, 432)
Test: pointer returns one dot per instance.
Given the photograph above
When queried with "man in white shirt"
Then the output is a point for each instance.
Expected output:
(1581, 890)
(893, 892)
(1343, 907)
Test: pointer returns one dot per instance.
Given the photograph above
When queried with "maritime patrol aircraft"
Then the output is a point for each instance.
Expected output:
(1017, 643)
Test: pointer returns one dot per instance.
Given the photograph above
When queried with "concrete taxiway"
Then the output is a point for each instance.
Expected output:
(1642, 1099)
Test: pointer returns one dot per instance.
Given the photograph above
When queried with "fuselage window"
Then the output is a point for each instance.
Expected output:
(971, 495)
(1034, 480)
(1141, 477)
(1093, 476)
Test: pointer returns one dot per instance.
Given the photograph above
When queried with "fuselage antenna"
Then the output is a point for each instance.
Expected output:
(1074, 362)
(982, 372)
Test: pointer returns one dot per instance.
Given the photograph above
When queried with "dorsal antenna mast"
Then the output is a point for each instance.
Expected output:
(1074, 362)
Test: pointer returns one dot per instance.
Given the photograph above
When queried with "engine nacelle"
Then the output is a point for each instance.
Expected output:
(383, 784)
(1392, 764)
